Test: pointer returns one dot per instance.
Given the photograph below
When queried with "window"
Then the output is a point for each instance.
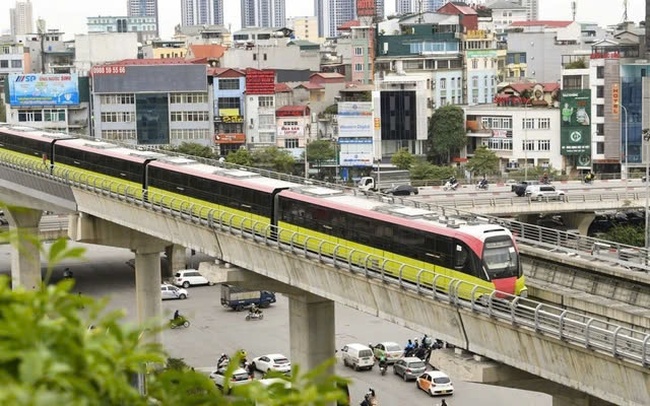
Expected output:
(600, 72)
(600, 129)
(265, 101)
(528, 123)
(229, 103)
(443, 83)
(189, 98)
(358, 51)
(16, 64)
(119, 135)
(600, 110)
(528, 145)
(118, 117)
(600, 147)
(4, 63)
(544, 145)
(474, 63)
(474, 82)
(291, 143)
(228, 84)
(544, 123)
(117, 99)
(600, 92)
(54, 115)
(358, 67)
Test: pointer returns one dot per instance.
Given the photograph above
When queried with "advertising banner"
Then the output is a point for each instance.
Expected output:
(366, 8)
(356, 126)
(43, 90)
(355, 109)
(575, 122)
(355, 151)
(261, 82)
(285, 130)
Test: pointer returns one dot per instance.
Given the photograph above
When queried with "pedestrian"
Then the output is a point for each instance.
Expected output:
(444, 403)
(250, 369)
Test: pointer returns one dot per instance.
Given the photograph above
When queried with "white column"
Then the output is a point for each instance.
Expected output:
(25, 255)
(312, 329)
(147, 285)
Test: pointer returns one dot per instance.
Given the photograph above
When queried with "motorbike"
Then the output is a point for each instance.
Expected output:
(383, 369)
(257, 315)
(450, 186)
(588, 179)
(482, 184)
(179, 322)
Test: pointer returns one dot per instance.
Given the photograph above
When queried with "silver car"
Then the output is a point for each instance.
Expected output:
(409, 368)
(172, 292)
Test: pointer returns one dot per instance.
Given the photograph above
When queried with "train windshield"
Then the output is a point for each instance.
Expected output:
(500, 258)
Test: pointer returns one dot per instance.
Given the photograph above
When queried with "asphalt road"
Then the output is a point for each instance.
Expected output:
(214, 329)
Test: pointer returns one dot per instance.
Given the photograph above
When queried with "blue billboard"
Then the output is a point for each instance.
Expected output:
(43, 90)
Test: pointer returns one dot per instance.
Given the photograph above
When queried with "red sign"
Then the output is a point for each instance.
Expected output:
(230, 138)
(290, 113)
(366, 8)
(108, 70)
(615, 98)
(260, 81)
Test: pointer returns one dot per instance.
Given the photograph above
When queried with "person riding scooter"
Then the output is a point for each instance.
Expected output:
(383, 364)
(254, 310)
(589, 177)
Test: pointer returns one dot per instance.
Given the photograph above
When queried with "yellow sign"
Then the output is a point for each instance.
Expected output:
(228, 112)
(475, 34)
(232, 119)
(615, 99)
(377, 123)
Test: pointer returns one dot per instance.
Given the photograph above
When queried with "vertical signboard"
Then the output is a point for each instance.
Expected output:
(576, 125)
(356, 130)
(615, 99)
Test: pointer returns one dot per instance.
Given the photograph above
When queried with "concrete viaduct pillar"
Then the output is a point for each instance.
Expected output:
(25, 254)
(147, 285)
(177, 259)
(579, 221)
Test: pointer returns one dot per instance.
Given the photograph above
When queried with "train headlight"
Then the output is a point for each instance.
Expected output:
(523, 293)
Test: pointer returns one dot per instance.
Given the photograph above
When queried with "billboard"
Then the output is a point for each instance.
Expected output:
(366, 8)
(355, 109)
(576, 123)
(43, 89)
(260, 82)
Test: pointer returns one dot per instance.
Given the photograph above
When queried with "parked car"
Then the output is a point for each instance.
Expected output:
(409, 368)
(391, 350)
(272, 362)
(435, 383)
(172, 292)
(358, 356)
(239, 377)
(544, 192)
(520, 188)
(190, 277)
(402, 190)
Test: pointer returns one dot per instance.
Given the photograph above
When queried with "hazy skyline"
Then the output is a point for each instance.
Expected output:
(70, 15)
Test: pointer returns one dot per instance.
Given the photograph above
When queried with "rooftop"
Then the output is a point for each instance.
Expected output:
(542, 23)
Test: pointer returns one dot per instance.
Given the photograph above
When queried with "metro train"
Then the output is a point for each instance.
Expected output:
(388, 235)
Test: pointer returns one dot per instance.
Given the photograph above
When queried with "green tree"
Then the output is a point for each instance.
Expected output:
(629, 235)
(240, 157)
(274, 158)
(194, 149)
(424, 172)
(3, 111)
(320, 151)
(403, 159)
(60, 348)
(447, 133)
(484, 161)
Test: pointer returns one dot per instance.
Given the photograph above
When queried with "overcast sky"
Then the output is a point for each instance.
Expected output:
(70, 15)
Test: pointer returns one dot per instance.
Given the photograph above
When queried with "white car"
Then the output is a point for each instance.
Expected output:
(172, 292)
(391, 350)
(190, 277)
(544, 192)
(239, 377)
(435, 383)
(272, 362)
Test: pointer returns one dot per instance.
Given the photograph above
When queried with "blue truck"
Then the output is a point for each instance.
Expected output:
(239, 298)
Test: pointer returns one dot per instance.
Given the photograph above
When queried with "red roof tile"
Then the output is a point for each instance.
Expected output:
(282, 88)
(294, 108)
(542, 23)
(348, 25)
(328, 75)
(221, 71)
(310, 86)
(212, 51)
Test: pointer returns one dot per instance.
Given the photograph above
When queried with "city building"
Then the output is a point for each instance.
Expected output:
(144, 8)
(56, 102)
(98, 48)
(203, 34)
(159, 49)
(333, 13)
(304, 28)
(145, 27)
(259, 105)
(228, 87)
(20, 18)
(532, 8)
(263, 13)
(152, 102)
(201, 12)
(293, 128)
(13, 58)
(48, 52)
(412, 6)
(504, 13)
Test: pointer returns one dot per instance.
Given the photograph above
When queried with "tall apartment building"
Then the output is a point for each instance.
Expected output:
(333, 13)
(532, 8)
(411, 6)
(263, 13)
(144, 8)
(201, 12)
(21, 18)
(145, 27)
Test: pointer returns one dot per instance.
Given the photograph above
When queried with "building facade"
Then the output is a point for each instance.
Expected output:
(259, 106)
(304, 27)
(97, 48)
(412, 6)
(145, 27)
(20, 18)
(532, 8)
(201, 12)
(333, 13)
(228, 87)
(144, 8)
(13, 59)
(263, 13)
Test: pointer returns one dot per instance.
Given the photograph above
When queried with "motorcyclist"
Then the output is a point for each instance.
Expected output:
(544, 179)
(426, 341)
(177, 315)
(382, 361)
(223, 361)
(408, 348)
(589, 177)
(254, 310)
(483, 182)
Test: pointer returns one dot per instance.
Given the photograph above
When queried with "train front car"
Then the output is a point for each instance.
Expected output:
(500, 261)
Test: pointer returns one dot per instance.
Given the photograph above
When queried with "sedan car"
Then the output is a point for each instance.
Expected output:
(402, 190)
(435, 383)
(272, 362)
(172, 292)
(409, 368)
(239, 377)
(391, 350)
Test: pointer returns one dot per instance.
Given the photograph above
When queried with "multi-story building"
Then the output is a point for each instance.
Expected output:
(515, 67)
(304, 27)
(199, 34)
(20, 18)
(57, 102)
(97, 48)
(333, 13)
(13, 58)
(48, 53)
(532, 8)
(412, 6)
(293, 124)
(481, 67)
(144, 8)
(260, 124)
(362, 40)
(228, 87)
(201, 12)
(152, 102)
(145, 27)
(263, 13)
(159, 49)
(504, 13)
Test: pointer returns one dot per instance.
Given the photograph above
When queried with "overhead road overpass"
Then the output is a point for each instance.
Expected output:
(547, 341)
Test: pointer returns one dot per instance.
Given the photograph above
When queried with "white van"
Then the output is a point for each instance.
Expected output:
(189, 277)
(358, 356)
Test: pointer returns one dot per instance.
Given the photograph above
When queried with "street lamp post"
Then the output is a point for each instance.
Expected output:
(627, 168)
(646, 139)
